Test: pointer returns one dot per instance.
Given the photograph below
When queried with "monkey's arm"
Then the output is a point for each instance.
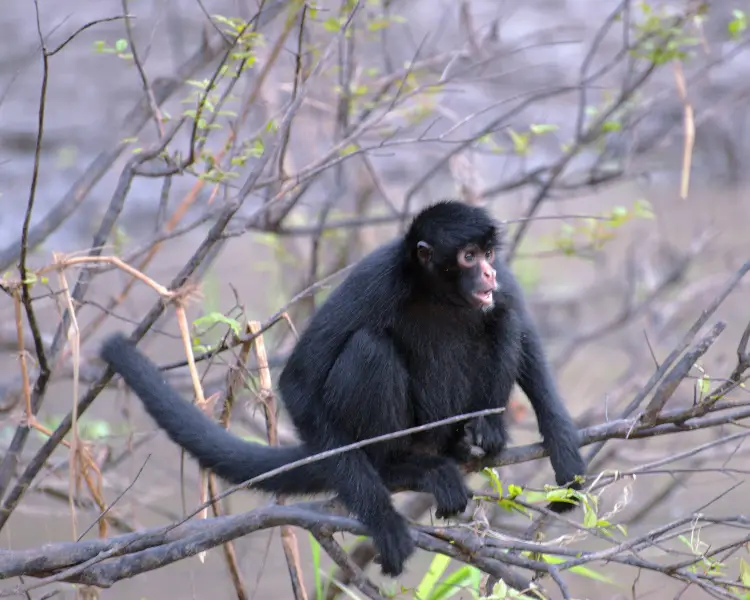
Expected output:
(214, 448)
(559, 432)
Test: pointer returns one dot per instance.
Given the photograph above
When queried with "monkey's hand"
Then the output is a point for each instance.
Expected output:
(486, 434)
(451, 494)
(563, 506)
(567, 463)
(393, 542)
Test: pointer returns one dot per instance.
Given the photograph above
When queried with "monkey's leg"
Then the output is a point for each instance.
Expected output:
(434, 475)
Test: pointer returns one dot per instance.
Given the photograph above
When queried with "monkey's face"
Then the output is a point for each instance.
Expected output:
(464, 277)
(477, 279)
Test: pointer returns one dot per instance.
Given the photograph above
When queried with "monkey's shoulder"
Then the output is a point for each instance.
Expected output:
(374, 286)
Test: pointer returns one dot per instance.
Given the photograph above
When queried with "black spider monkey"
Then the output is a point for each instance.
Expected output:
(428, 326)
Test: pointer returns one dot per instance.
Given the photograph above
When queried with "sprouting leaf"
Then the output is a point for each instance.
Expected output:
(744, 572)
(610, 126)
(736, 27)
(579, 570)
(514, 491)
(258, 148)
(642, 208)
(464, 578)
(207, 321)
(332, 25)
(349, 149)
(704, 385)
(520, 141)
(539, 129)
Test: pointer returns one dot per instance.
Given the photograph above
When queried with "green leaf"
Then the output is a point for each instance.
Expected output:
(213, 318)
(738, 24)
(589, 519)
(97, 429)
(744, 572)
(539, 129)
(121, 45)
(315, 551)
(378, 24)
(466, 577)
(494, 480)
(438, 565)
(500, 590)
(579, 570)
(332, 25)
(514, 490)
(610, 126)
(704, 385)
(520, 141)
(643, 209)
(258, 148)
(350, 149)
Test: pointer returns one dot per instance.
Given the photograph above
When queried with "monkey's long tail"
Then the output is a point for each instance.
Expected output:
(230, 457)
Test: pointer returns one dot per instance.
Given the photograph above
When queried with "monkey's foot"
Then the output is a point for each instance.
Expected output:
(451, 494)
(394, 544)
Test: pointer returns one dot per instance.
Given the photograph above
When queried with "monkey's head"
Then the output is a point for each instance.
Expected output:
(453, 253)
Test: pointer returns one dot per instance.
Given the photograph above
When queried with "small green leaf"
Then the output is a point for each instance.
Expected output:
(213, 318)
(514, 490)
(643, 209)
(539, 129)
(738, 24)
(744, 572)
(704, 385)
(332, 25)
(350, 149)
(121, 45)
(258, 148)
(589, 519)
(97, 429)
(378, 24)
(464, 578)
(610, 126)
(580, 570)
(500, 590)
(520, 141)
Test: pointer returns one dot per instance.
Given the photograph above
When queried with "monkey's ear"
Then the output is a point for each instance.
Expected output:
(424, 252)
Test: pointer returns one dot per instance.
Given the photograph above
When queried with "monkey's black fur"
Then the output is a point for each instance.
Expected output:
(396, 345)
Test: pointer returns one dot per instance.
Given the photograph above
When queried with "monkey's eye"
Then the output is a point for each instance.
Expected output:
(490, 254)
(469, 256)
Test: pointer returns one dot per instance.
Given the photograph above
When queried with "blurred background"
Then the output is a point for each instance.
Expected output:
(610, 136)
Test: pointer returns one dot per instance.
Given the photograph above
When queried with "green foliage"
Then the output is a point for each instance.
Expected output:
(501, 591)
(205, 324)
(89, 428)
(710, 566)
(522, 140)
(322, 583)
(737, 26)
(119, 49)
(594, 232)
(435, 587)
(315, 551)
(660, 40)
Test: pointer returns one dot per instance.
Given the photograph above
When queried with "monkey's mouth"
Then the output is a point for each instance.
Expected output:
(484, 298)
